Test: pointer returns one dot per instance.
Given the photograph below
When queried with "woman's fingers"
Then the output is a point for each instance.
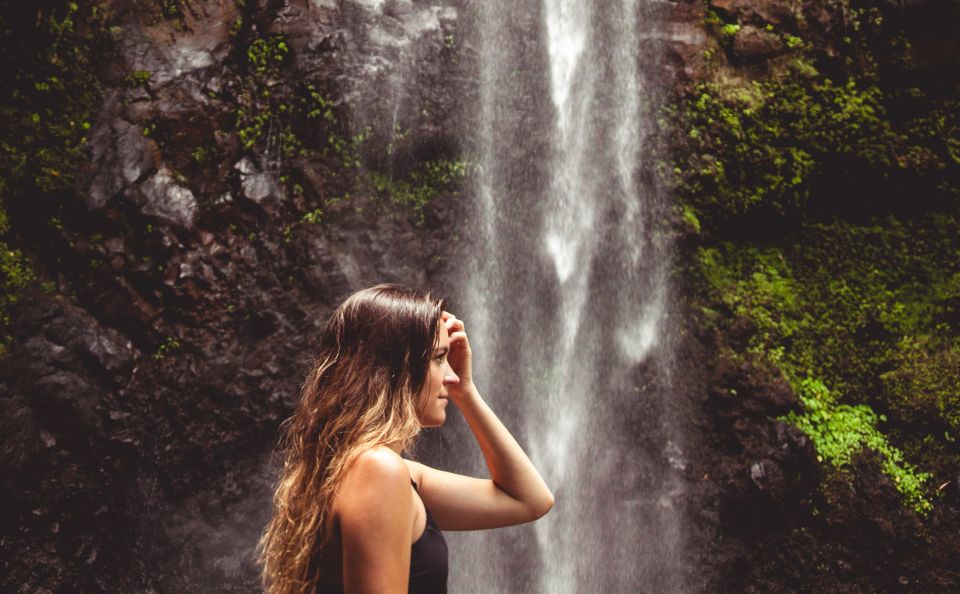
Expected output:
(452, 322)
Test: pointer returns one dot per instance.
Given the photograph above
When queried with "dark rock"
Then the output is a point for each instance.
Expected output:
(768, 478)
(751, 390)
(775, 12)
(120, 154)
(753, 43)
(19, 437)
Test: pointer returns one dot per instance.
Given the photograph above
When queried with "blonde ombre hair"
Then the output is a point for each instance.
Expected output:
(363, 391)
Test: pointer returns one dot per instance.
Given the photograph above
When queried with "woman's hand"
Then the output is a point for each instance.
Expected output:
(460, 356)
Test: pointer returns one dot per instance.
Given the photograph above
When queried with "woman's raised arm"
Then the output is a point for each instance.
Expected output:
(516, 492)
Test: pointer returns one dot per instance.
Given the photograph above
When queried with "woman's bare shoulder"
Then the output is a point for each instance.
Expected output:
(380, 460)
(376, 473)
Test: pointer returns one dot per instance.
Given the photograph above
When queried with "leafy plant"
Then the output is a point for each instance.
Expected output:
(420, 186)
(138, 78)
(168, 345)
(839, 430)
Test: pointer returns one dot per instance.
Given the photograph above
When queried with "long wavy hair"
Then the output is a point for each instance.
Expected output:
(363, 391)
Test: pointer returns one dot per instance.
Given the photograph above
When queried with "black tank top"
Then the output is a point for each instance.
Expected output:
(428, 562)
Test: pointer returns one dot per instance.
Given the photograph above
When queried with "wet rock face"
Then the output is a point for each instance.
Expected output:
(394, 63)
(771, 517)
(753, 43)
(771, 466)
(142, 394)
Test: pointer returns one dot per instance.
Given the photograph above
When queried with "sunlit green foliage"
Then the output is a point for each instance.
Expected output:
(267, 54)
(757, 147)
(839, 431)
(871, 311)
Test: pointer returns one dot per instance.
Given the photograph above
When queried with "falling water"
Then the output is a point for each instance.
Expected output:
(567, 297)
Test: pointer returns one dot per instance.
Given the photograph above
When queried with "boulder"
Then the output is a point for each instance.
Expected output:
(162, 197)
(754, 44)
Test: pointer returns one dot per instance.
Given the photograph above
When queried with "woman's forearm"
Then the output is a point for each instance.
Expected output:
(509, 466)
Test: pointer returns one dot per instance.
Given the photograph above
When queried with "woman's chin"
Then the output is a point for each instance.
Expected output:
(434, 420)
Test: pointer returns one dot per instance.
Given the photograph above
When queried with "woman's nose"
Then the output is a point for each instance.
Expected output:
(449, 377)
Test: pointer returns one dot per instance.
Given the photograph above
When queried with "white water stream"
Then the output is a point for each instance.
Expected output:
(567, 299)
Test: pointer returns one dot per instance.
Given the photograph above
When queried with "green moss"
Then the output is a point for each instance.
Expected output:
(838, 431)
(689, 215)
(871, 310)
(418, 188)
(730, 29)
(46, 109)
(138, 78)
(267, 54)
(759, 147)
(923, 385)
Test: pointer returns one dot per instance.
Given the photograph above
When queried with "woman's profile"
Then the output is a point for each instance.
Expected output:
(350, 513)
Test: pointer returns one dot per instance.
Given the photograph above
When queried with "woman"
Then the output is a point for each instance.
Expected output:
(350, 514)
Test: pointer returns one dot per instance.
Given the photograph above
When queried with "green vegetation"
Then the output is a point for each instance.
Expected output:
(275, 115)
(729, 29)
(848, 276)
(792, 41)
(46, 111)
(423, 184)
(267, 54)
(138, 78)
(839, 430)
(46, 116)
(169, 345)
(15, 275)
(870, 311)
(278, 118)
(758, 147)
(263, 117)
(313, 217)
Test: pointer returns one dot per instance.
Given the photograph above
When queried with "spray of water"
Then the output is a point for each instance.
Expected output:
(568, 299)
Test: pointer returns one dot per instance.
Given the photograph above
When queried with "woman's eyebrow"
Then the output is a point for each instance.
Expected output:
(441, 350)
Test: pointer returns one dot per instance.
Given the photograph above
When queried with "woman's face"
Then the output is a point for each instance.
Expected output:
(433, 397)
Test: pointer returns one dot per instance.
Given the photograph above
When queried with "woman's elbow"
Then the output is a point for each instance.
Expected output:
(544, 505)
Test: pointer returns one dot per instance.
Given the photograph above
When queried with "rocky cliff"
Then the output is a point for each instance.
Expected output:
(198, 208)
(814, 167)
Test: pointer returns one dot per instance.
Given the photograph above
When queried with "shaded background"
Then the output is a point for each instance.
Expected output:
(189, 188)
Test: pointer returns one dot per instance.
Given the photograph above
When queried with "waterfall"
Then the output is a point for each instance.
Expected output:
(566, 297)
